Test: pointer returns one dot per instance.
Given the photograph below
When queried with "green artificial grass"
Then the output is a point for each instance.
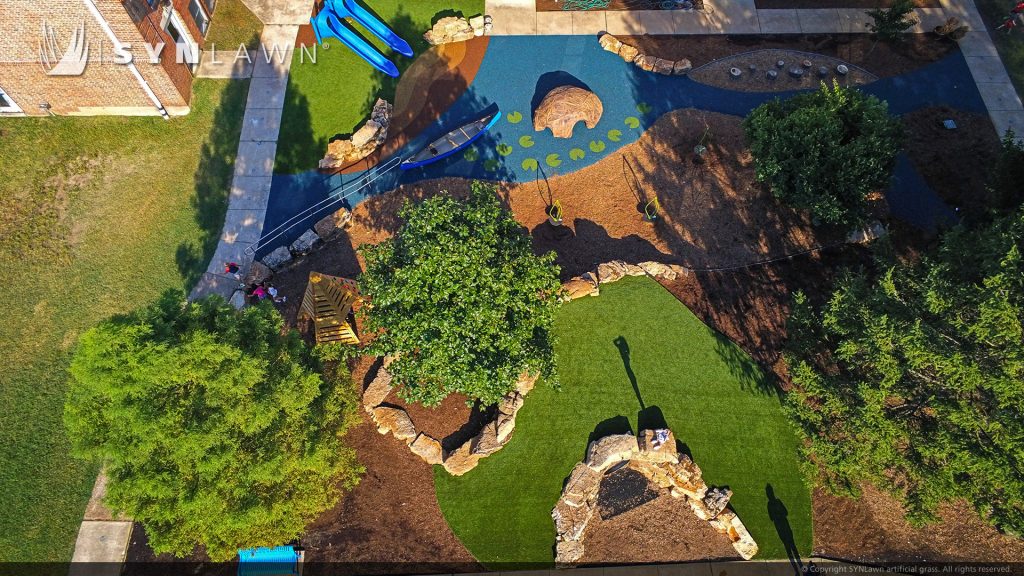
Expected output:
(231, 26)
(1010, 46)
(98, 215)
(335, 95)
(709, 392)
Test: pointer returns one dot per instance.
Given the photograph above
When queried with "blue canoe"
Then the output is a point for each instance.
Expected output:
(451, 142)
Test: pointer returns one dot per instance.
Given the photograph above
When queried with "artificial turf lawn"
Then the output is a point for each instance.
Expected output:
(98, 215)
(711, 394)
(335, 95)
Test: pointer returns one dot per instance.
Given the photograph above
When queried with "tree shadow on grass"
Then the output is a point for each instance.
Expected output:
(297, 142)
(212, 181)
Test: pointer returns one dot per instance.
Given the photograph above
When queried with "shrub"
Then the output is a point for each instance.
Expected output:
(824, 151)
(215, 426)
(1006, 186)
(911, 379)
(460, 298)
(890, 24)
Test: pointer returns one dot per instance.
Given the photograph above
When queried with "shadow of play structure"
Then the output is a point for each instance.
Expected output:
(328, 23)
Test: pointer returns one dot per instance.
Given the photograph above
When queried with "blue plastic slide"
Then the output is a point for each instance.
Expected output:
(328, 23)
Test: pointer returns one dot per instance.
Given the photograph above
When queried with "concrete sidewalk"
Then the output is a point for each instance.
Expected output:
(521, 18)
(254, 164)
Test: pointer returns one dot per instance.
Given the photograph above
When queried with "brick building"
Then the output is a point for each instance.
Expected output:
(126, 70)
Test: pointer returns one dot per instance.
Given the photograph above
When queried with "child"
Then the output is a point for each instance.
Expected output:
(234, 269)
(277, 299)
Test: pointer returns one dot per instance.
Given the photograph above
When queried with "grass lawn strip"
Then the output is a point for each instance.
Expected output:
(99, 216)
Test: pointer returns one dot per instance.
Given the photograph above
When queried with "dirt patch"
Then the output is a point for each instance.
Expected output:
(883, 60)
(866, 4)
(662, 530)
(872, 528)
(955, 163)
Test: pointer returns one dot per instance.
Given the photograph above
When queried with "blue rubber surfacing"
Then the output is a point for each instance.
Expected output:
(517, 71)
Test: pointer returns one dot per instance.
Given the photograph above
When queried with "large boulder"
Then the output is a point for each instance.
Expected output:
(394, 420)
(578, 288)
(662, 66)
(628, 53)
(658, 446)
(611, 271)
(568, 552)
(342, 153)
(610, 43)
(304, 244)
(278, 258)
(716, 500)
(610, 450)
(486, 442)
(681, 67)
(526, 382)
(258, 273)
(427, 448)
(327, 226)
(563, 107)
(582, 486)
(511, 403)
(461, 460)
(449, 29)
(658, 270)
(506, 425)
(378, 390)
(645, 62)
(571, 521)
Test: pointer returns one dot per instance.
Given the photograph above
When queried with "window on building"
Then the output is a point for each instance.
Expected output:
(199, 16)
(7, 104)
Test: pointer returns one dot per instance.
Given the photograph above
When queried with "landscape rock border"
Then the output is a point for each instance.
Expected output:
(645, 62)
(655, 456)
(396, 421)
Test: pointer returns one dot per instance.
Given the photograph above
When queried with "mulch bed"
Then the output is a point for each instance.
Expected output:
(866, 4)
(662, 530)
(883, 60)
(955, 163)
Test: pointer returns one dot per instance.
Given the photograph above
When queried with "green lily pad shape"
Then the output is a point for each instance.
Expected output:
(643, 107)
(530, 164)
(553, 160)
(491, 164)
(471, 155)
(503, 149)
(514, 117)
(615, 135)
(526, 141)
(633, 122)
(577, 153)
(597, 146)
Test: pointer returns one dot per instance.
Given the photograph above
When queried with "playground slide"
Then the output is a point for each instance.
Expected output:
(326, 23)
(374, 25)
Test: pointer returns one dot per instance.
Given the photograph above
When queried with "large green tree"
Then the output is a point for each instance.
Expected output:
(215, 425)
(824, 151)
(913, 377)
(460, 298)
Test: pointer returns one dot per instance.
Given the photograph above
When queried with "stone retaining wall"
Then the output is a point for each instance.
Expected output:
(396, 421)
(645, 62)
(655, 456)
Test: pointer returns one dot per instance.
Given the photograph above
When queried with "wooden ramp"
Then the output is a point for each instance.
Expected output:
(327, 302)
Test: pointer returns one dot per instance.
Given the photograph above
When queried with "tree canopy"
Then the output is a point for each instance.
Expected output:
(215, 426)
(459, 296)
(913, 378)
(824, 151)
